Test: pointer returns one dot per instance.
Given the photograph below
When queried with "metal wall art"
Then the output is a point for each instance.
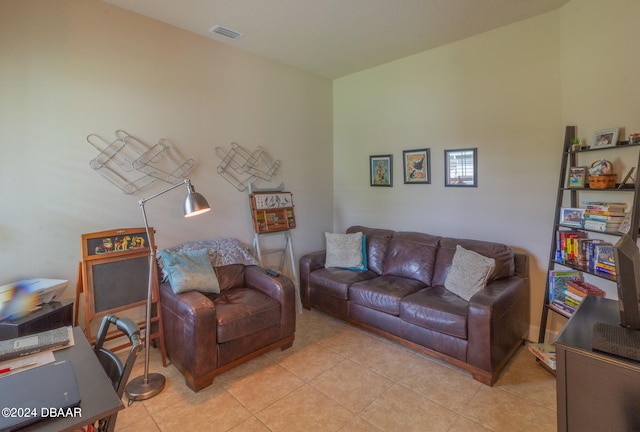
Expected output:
(131, 165)
(240, 167)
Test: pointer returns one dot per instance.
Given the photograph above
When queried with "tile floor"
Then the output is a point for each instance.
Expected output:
(339, 378)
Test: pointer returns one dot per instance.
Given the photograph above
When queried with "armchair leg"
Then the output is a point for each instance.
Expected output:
(287, 346)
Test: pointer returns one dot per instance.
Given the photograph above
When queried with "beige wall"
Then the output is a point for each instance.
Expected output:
(509, 92)
(70, 68)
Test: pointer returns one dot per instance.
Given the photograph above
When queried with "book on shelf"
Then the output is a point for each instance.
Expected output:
(545, 353)
(604, 213)
(561, 307)
(605, 206)
(603, 218)
(565, 244)
(578, 287)
(601, 226)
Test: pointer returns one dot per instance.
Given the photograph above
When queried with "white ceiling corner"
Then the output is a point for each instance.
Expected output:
(333, 38)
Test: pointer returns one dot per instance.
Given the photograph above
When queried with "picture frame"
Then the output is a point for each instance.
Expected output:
(605, 138)
(625, 225)
(577, 176)
(573, 217)
(461, 167)
(381, 170)
(416, 166)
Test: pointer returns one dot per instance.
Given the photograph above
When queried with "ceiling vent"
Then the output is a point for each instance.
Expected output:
(225, 32)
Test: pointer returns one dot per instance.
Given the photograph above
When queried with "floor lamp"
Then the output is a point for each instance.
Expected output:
(148, 385)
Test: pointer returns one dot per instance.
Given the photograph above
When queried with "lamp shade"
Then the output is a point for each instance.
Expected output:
(195, 204)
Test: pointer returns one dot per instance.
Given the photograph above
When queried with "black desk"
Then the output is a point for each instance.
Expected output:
(596, 391)
(98, 399)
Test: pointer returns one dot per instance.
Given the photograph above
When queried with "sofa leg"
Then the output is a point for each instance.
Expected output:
(484, 377)
(199, 384)
(287, 346)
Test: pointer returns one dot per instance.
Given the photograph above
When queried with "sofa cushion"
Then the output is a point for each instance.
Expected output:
(383, 293)
(244, 311)
(335, 282)
(436, 308)
(412, 255)
(346, 251)
(190, 270)
(469, 273)
(377, 243)
(505, 262)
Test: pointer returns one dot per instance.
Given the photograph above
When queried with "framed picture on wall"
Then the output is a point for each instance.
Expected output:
(381, 170)
(461, 167)
(417, 166)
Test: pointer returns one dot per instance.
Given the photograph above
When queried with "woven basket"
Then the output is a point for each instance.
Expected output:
(603, 181)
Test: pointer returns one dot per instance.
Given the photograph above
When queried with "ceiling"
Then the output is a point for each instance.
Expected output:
(333, 38)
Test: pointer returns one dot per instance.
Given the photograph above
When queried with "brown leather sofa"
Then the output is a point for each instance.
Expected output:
(207, 334)
(402, 297)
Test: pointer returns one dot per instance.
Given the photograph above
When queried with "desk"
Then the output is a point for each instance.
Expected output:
(98, 399)
(596, 391)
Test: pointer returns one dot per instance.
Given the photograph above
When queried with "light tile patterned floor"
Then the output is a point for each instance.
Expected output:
(339, 378)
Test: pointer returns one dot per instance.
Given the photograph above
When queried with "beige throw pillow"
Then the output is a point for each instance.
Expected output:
(469, 273)
(344, 251)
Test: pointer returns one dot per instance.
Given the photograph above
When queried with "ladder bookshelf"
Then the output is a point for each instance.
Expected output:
(629, 193)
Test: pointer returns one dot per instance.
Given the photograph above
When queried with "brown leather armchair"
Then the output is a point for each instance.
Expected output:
(207, 334)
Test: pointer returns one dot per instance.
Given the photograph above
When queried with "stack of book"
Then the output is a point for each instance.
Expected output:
(603, 216)
(567, 289)
(605, 260)
(577, 290)
(545, 353)
(558, 281)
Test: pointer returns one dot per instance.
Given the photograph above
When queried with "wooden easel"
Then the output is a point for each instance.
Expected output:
(272, 213)
(113, 276)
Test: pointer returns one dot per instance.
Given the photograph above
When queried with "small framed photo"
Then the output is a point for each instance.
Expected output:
(625, 225)
(605, 138)
(417, 166)
(461, 167)
(572, 216)
(381, 170)
(577, 177)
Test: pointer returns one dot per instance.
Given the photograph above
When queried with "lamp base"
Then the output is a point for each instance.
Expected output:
(141, 389)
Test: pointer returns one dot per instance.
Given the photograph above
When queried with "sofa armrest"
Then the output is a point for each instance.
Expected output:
(309, 263)
(279, 288)
(498, 321)
(189, 322)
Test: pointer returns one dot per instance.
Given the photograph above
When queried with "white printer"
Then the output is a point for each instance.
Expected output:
(46, 290)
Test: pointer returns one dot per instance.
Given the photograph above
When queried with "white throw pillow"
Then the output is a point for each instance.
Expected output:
(469, 273)
(345, 251)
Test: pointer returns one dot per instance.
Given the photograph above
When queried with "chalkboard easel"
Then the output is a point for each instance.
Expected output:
(114, 277)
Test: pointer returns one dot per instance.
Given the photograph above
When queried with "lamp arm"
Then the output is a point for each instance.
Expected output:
(144, 200)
